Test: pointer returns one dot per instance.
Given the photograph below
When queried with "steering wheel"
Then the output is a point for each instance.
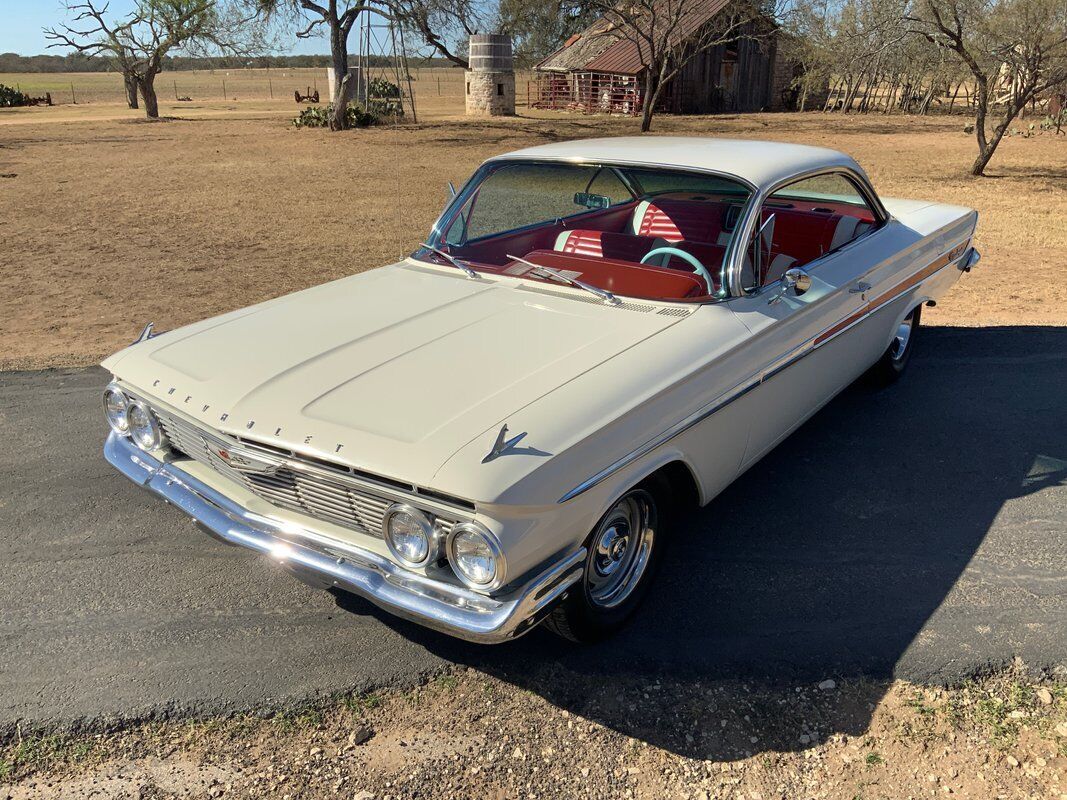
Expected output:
(689, 258)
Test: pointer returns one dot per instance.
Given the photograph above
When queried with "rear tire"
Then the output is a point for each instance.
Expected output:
(895, 359)
(624, 549)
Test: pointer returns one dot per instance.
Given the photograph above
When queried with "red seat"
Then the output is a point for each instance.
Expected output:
(685, 218)
(801, 235)
(605, 244)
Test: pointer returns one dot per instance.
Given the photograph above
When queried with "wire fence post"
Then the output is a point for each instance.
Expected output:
(270, 86)
(223, 88)
(175, 90)
(73, 99)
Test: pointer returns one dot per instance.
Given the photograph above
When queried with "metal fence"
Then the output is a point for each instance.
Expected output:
(585, 92)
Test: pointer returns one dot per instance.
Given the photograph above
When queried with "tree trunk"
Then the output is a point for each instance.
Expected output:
(339, 57)
(648, 107)
(147, 87)
(955, 94)
(985, 153)
(987, 148)
(131, 90)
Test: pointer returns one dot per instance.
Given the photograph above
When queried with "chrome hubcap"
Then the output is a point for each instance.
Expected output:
(900, 341)
(620, 550)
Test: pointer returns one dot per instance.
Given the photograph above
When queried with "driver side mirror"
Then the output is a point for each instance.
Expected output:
(796, 280)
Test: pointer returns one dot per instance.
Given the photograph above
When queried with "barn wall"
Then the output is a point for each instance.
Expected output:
(697, 88)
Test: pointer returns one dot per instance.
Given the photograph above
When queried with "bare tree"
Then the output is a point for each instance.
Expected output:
(439, 22)
(433, 20)
(1016, 50)
(667, 34)
(138, 43)
(337, 17)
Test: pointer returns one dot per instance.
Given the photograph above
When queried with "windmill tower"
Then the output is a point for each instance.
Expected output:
(378, 75)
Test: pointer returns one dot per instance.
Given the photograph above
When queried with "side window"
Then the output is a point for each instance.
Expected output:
(518, 195)
(804, 221)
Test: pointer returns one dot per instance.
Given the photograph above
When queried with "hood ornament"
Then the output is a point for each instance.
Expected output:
(503, 444)
(146, 334)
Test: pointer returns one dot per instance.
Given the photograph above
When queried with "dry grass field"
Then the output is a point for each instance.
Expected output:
(439, 89)
(110, 221)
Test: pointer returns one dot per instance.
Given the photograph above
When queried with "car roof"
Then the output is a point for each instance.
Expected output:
(758, 162)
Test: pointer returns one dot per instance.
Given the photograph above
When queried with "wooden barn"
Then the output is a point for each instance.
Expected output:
(600, 71)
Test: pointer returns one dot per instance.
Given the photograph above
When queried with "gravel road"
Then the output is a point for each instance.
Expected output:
(917, 531)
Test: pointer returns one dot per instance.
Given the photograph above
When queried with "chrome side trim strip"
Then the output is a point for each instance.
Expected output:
(663, 438)
(436, 604)
(796, 355)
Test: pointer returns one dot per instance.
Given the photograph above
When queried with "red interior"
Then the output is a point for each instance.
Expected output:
(607, 248)
(620, 277)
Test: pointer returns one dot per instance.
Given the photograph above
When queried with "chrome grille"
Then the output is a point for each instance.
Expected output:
(307, 492)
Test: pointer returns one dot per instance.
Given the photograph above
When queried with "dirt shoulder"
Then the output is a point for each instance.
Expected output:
(112, 223)
(466, 734)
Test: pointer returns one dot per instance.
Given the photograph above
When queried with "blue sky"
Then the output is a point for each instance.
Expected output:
(21, 22)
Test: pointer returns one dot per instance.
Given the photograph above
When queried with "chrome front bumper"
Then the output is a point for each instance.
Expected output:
(442, 606)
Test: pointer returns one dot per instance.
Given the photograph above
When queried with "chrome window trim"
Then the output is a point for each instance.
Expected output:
(437, 231)
(765, 374)
(735, 256)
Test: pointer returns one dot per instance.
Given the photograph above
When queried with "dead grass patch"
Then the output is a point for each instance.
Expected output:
(108, 225)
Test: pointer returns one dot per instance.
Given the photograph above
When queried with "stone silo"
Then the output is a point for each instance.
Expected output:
(491, 78)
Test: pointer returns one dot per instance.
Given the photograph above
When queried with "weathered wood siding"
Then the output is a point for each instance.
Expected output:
(698, 89)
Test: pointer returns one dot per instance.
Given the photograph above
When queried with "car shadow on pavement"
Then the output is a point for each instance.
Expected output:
(839, 556)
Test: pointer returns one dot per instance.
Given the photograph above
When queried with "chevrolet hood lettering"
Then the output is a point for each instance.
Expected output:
(392, 371)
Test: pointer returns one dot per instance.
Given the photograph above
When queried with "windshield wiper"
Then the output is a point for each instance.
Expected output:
(455, 262)
(603, 294)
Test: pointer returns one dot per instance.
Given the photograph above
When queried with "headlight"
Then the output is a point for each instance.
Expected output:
(116, 407)
(144, 429)
(476, 556)
(410, 535)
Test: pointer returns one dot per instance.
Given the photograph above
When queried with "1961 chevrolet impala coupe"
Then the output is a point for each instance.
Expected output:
(495, 431)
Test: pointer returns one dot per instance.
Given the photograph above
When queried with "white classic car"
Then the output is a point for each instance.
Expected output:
(494, 431)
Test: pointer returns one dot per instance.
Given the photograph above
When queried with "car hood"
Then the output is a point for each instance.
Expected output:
(392, 371)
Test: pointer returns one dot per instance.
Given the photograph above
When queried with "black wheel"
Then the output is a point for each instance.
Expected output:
(624, 551)
(895, 359)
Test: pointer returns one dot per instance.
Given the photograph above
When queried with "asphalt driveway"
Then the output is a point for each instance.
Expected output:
(918, 532)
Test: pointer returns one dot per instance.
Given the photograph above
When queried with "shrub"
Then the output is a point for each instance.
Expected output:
(319, 117)
(385, 99)
(12, 97)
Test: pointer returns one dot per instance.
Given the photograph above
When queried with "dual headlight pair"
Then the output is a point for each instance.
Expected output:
(133, 418)
(472, 551)
(411, 536)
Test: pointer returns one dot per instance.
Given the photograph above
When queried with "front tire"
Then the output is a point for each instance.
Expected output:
(624, 552)
(895, 359)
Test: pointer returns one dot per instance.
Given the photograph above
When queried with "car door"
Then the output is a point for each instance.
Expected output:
(824, 226)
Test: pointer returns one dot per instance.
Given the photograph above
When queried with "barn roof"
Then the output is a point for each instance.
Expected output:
(581, 49)
(603, 46)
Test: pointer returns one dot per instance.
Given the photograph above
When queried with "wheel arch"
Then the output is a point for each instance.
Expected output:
(675, 469)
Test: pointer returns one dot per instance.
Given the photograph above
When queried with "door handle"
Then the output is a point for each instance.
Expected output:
(859, 288)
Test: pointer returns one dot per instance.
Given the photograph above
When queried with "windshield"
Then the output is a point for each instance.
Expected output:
(634, 231)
